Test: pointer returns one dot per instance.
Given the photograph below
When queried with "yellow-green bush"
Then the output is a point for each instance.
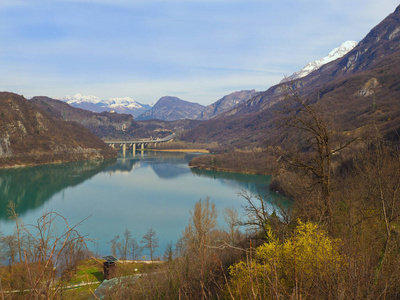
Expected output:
(297, 265)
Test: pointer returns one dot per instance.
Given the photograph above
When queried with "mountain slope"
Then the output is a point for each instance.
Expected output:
(226, 103)
(172, 108)
(29, 135)
(344, 89)
(111, 125)
(381, 42)
(103, 124)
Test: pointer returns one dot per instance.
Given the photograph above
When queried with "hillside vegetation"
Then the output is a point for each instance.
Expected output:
(29, 136)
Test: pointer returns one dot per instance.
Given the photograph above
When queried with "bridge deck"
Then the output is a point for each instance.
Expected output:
(163, 140)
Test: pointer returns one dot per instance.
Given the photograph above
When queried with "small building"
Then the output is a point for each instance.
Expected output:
(109, 266)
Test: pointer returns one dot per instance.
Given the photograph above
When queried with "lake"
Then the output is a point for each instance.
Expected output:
(149, 190)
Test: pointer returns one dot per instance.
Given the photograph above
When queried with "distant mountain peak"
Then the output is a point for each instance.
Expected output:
(77, 98)
(336, 53)
(226, 103)
(169, 108)
(96, 104)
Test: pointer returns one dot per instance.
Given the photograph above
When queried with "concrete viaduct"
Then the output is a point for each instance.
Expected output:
(138, 144)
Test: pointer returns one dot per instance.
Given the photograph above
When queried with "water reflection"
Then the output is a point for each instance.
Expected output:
(166, 165)
(31, 187)
(149, 190)
(257, 185)
(254, 185)
(125, 165)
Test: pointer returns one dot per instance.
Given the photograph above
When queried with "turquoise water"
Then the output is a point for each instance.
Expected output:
(150, 190)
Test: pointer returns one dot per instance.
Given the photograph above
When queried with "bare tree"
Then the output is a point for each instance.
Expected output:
(320, 142)
(150, 242)
(169, 252)
(9, 246)
(135, 249)
(197, 240)
(124, 244)
(114, 245)
(231, 218)
(379, 175)
(265, 215)
(44, 253)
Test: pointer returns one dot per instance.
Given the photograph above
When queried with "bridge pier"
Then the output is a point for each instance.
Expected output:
(138, 144)
(123, 150)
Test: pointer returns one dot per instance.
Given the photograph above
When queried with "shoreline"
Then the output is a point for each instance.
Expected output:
(58, 162)
(219, 169)
(182, 150)
(244, 162)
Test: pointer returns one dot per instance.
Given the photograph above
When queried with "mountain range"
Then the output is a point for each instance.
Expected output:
(121, 105)
(104, 124)
(172, 108)
(165, 109)
(108, 125)
(357, 90)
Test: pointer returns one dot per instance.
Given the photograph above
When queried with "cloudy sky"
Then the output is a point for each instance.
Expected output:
(197, 50)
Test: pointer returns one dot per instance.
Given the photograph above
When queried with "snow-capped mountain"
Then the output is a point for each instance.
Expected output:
(121, 105)
(333, 55)
(79, 98)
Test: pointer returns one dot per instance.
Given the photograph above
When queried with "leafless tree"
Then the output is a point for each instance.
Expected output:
(265, 215)
(44, 254)
(150, 242)
(320, 141)
(169, 252)
(197, 240)
(123, 245)
(231, 218)
(114, 245)
(135, 249)
(9, 246)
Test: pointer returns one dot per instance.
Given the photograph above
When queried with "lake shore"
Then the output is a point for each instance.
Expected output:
(183, 150)
(39, 159)
(246, 162)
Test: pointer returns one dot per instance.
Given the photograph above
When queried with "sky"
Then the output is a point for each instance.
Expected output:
(197, 50)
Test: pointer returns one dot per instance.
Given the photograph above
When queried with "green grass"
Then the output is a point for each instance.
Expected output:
(88, 271)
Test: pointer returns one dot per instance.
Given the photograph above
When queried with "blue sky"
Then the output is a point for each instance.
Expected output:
(197, 50)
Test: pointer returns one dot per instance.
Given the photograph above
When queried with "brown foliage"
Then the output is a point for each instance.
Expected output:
(256, 161)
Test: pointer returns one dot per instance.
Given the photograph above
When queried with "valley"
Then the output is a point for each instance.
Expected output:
(295, 194)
